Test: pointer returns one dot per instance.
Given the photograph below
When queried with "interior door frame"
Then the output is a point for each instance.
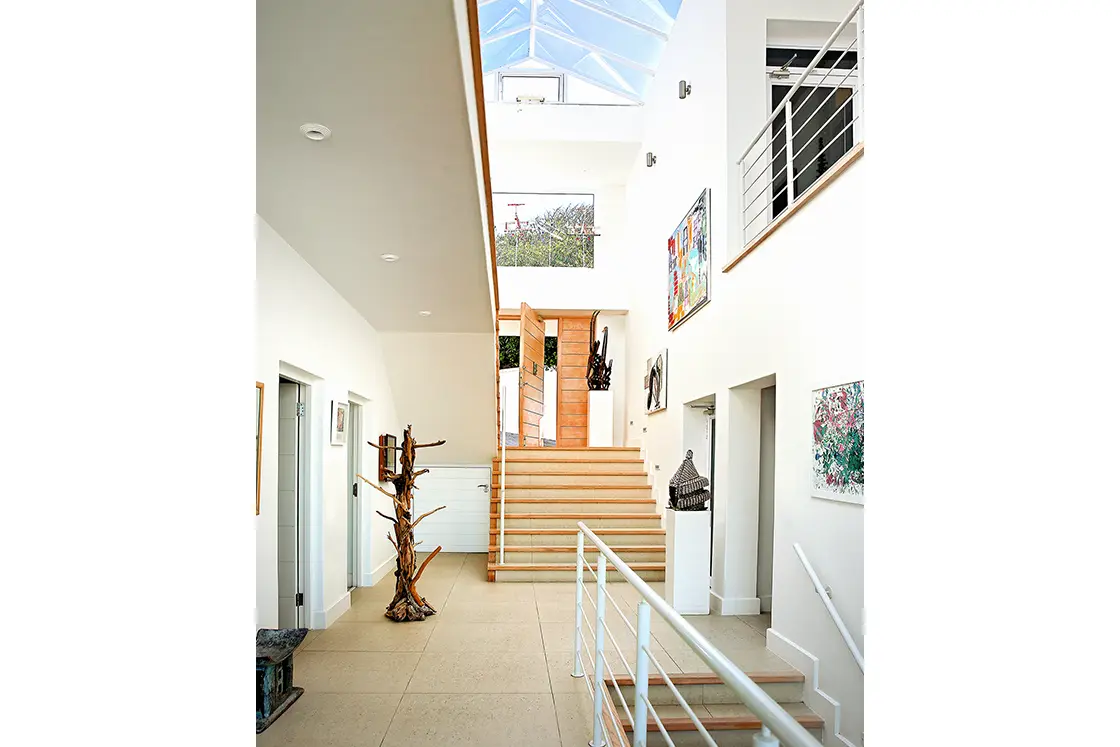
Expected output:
(353, 501)
(303, 468)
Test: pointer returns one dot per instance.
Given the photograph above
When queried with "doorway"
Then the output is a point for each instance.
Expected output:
(767, 421)
(291, 445)
(711, 428)
(353, 511)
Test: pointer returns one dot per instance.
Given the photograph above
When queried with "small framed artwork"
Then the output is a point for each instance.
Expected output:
(340, 413)
(388, 464)
(655, 382)
(838, 443)
(260, 428)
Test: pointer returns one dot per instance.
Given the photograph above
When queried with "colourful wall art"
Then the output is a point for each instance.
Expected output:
(690, 261)
(838, 442)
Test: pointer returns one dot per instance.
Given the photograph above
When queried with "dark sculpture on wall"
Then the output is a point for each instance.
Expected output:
(598, 367)
(688, 491)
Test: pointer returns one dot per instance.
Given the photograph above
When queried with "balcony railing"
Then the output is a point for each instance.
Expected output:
(814, 130)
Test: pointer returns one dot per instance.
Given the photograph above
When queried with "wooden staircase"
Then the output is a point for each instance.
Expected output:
(550, 490)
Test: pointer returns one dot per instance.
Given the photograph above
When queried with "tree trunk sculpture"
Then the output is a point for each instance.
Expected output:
(407, 604)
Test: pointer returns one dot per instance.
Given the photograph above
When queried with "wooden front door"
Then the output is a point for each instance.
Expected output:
(575, 346)
(530, 400)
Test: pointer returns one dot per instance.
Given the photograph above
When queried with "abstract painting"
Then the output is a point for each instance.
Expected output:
(838, 442)
(655, 382)
(690, 261)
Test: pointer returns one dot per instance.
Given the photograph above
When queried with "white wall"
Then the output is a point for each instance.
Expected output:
(444, 386)
(305, 328)
(792, 310)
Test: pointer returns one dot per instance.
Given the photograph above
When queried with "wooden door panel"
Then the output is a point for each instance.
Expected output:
(530, 397)
(571, 410)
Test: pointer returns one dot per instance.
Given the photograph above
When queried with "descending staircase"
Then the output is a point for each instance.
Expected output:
(550, 490)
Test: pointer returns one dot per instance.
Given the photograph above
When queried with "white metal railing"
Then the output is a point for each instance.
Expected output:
(776, 721)
(502, 487)
(830, 606)
(784, 166)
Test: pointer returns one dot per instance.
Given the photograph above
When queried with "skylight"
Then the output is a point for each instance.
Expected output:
(613, 44)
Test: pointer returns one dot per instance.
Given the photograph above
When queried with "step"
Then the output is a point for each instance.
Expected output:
(568, 503)
(728, 724)
(568, 491)
(564, 554)
(564, 572)
(514, 464)
(708, 689)
(600, 453)
(532, 536)
(570, 477)
(559, 520)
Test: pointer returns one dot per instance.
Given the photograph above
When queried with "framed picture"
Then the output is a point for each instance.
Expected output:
(838, 443)
(655, 381)
(260, 428)
(340, 413)
(690, 261)
(388, 464)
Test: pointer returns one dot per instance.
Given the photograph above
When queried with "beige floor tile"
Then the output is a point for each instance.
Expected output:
(354, 671)
(723, 632)
(573, 715)
(440, 720)
(383, 635)
(480, 672)
(502, 637)
(332, 720)
(462, 609)
(749, 660)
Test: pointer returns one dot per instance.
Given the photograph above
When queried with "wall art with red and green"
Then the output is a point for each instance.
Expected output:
(838, 442)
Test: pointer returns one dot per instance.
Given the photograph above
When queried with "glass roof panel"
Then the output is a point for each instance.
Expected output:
(501, 16)
(600, 31)
(591, 65)
(657, 14)
(505, 51)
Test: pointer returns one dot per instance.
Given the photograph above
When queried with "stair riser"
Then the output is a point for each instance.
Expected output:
(599, 507)
(730, 738)
(619, 460)
(781, 692)
(567, 576)
(653, 522)
(527, 540)
(589, 455)
(657, 556)
(601, 494)
(514, 479)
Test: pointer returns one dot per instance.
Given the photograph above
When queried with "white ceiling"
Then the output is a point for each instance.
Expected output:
(398, 175)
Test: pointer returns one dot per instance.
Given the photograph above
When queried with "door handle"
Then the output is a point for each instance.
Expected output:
(485, 487)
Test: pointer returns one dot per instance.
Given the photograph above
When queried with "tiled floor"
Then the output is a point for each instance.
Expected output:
(492, 668)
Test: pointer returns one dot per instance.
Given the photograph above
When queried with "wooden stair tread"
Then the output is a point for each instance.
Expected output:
(573, 499)
(586, 550)
(593, 449)
(711, 678)
(644, 566)
(598, 530)
(569, 460)
(584, 515)
(572, 487)
(744, 720)
(577, 473)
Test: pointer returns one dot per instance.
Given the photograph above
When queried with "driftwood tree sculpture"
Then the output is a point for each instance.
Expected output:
(407, 604)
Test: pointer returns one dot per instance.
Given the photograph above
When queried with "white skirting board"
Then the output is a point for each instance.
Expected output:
(687, 552)
(821, 702)
(371, 578)
(736, 605)
(324, 619)
(600, 418)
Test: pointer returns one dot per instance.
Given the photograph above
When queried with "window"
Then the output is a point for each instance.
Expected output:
(544, 230)
(547, 88)
(822, 122)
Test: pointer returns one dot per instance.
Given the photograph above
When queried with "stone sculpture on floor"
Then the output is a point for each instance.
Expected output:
(688, 491)
(275, 692)
(407, 604)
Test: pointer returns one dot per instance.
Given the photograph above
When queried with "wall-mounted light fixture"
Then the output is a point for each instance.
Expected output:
(684, 89)
(650, 160)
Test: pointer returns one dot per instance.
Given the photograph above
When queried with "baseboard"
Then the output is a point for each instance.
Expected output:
(823, 704)
(324, 619)
(735, 605)
(371, 578)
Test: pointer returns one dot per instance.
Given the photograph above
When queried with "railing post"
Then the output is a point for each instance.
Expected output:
(641, 675)
(860, 72)
(600, 640)
(577, 667)
(790, 196)
(502, 497)
(764, 738)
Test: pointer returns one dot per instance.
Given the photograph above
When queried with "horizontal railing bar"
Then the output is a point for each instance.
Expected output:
(684, 703)
(622, 615)
(617, 689)
(657, 720)
(826, 123)
(824, 101)
(812, 65)
(825, 78)
(787, 729)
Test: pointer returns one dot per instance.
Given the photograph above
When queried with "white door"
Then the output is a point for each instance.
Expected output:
(464, 526)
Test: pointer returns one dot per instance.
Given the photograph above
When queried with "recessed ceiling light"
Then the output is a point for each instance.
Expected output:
(425, 313)
(315, 131)
(390, 257)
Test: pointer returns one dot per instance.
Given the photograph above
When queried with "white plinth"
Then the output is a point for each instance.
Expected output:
(600, 418)
(687, 561)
